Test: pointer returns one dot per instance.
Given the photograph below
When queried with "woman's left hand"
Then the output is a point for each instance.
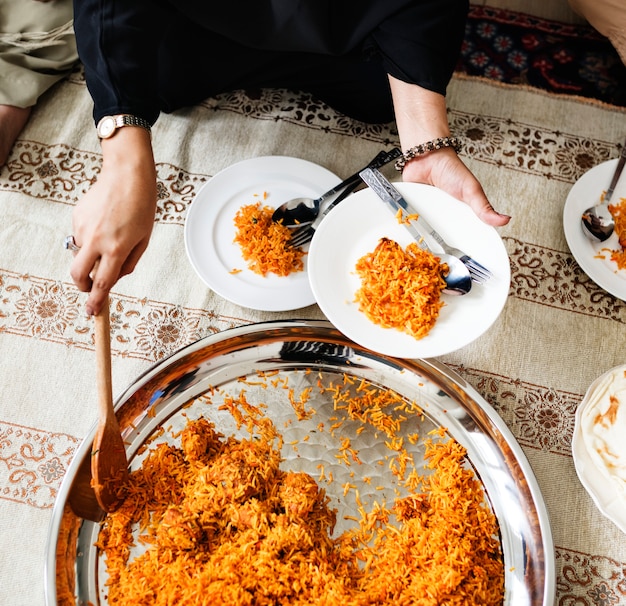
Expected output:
(445, 170)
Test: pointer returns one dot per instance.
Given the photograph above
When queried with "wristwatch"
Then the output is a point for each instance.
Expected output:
(109, 124)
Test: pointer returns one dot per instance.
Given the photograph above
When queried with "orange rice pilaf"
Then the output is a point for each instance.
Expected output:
(222, 523)
(264, 243)
(618, 211)
(401, 288)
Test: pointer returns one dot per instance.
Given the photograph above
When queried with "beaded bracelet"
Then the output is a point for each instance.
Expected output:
(424, 148)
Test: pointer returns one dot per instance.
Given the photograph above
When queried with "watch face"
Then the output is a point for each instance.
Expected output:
(106, 126)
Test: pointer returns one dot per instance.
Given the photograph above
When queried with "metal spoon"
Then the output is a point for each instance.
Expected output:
(458, 280)
(597, 221)
(303, 211)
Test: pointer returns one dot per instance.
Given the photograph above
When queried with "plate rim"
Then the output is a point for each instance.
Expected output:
(582, 249)
(596, 484)
(254, 296)
(404, 345)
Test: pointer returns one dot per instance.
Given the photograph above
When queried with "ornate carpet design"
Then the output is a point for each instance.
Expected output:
(516, 48)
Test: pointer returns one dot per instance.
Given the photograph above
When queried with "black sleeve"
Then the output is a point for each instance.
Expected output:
(118, 43)
(421, 43)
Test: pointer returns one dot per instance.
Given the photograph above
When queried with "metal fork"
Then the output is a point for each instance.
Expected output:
(304, 234)
(479, 273)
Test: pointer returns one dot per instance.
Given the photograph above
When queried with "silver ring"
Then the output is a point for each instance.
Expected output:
(70, 244)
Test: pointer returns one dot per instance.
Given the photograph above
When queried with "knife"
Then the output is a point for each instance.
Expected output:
(393, 198)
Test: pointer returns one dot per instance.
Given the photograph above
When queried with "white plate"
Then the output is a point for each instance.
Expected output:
(585, 193)
(605, 494)
(354, 228)
(209, 229)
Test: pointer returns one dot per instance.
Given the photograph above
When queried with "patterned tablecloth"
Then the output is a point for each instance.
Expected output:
(557, 333)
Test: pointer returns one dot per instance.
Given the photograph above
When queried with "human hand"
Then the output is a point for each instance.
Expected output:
(445, 170)
(113, 221)
(421, 116)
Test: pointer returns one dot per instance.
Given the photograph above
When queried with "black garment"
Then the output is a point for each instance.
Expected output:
(144, 56)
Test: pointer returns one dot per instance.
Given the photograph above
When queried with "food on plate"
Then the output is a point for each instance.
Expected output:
(213, 518)
(603, 426)
(619, 214)
(264, 243)
(401, 287)
(405, 219)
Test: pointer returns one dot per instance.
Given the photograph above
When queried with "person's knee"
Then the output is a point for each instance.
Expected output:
(12, 121)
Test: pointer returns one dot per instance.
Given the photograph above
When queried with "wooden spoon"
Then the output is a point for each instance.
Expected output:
(109, 466)
(82, 498)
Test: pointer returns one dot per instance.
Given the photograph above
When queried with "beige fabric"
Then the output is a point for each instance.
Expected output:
(557, 333)
(608, 17)
(37, 48)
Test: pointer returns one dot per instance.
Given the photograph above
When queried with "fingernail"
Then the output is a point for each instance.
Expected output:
(89, 311)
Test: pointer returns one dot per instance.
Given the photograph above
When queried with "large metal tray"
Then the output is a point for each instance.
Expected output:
(173, 389)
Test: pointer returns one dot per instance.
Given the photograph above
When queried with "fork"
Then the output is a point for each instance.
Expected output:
(479, 273)
(303, 211)
(304, 234)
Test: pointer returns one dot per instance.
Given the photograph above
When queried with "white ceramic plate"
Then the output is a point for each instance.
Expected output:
(209, 229)
(605, 494)
(585, 193)
(354, 228)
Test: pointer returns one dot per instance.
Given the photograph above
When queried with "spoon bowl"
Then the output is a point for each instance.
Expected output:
(597, 221)
(99, 482)
(303, 211)
(458, 280)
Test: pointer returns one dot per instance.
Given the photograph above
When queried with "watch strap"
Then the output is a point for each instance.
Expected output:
(130, 120)
(109, 124)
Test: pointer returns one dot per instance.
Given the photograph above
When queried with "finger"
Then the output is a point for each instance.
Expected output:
(105, 276)
(494, 218)
(489, 215)
(133, 258)
(478, 201)
(81, 268)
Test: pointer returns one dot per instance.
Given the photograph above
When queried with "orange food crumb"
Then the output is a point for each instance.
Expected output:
(619, 214)
(404, 220)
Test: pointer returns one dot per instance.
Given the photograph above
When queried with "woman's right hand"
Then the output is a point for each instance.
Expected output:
(113, 221)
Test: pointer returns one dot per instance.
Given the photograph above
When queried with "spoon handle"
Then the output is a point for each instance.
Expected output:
(103, 359)
(616, 175)
(381, 158)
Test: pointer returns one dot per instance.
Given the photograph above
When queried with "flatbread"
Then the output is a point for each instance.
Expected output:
(603, 425)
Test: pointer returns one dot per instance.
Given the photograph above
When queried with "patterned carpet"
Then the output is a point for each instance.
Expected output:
(516, 48)
(557, 333)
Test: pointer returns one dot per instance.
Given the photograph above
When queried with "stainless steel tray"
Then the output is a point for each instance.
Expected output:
(173, 389)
